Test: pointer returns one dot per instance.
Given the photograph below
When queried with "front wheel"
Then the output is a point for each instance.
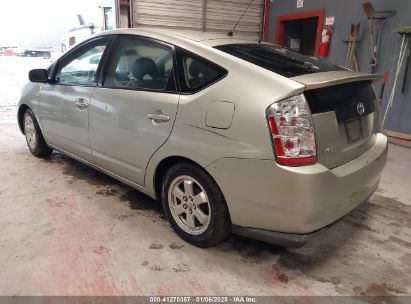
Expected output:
(34, 138)
(195, 206)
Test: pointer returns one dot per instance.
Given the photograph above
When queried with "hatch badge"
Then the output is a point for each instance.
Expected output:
(360, 108)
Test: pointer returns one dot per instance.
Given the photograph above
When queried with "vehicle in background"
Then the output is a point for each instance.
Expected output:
(19, 52)
(8, 51)
(22, 52)
(46, 54)
(3, 49)
(108, 20)
(77, 34)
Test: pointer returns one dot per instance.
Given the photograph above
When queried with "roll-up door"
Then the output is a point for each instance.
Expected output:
(186, 14)
(222, 15)
(204, 15)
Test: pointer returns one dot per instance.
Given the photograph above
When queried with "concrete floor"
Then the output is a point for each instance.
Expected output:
(66, 229)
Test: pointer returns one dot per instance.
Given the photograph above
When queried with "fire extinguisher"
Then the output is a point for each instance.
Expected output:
(325, 42)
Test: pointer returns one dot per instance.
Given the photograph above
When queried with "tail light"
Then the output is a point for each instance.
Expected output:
(292, 131)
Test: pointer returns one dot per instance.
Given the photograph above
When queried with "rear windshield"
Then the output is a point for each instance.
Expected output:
(278, 59)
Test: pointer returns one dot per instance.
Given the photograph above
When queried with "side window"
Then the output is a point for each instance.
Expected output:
(82, 68)
(140, 64)
(197, 73)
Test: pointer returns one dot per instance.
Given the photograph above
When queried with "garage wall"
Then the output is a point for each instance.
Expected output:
(350, 11)
(219, 15)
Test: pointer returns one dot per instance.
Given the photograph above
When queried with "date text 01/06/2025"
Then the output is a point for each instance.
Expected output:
(202, 299)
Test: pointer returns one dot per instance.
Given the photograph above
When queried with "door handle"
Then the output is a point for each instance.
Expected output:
(81, 103)
(158, 117)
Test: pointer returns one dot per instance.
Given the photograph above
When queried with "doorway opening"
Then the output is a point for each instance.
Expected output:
(301, 32)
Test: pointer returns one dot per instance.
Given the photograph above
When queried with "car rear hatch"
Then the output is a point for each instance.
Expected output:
(343, 103)
(345, 113)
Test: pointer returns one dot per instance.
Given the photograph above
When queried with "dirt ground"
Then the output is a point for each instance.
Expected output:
(66, 229)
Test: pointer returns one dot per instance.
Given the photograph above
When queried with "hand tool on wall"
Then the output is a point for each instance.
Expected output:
(406, 32)
(407, 67)
(383, 83)
(375, 19)
(403, 51)
(351, 61)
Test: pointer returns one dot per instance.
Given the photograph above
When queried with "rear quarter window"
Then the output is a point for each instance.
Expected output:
(197, 73)
(278, 59)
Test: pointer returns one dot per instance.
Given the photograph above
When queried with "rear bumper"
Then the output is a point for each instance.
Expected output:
(289, 240)
(296, 200)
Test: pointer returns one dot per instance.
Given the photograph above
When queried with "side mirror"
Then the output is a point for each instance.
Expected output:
(38, 75)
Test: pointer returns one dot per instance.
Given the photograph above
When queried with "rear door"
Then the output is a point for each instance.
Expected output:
(64, 104)
(133, 110)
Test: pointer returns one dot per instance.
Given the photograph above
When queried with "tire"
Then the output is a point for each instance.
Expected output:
(35, 140)
(195, 206)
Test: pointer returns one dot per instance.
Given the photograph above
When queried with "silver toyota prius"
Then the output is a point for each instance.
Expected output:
(231, 135)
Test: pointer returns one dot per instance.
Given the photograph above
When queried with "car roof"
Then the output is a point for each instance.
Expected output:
(206, 38)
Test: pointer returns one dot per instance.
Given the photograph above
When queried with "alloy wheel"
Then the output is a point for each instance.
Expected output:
(30, 132)
(189, 205)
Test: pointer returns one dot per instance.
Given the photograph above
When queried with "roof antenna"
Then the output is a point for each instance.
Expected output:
(231, 33)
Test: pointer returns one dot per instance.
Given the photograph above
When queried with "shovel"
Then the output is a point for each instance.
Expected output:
(374, 30)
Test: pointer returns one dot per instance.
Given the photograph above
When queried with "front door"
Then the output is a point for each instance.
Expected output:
(64, 105)
(133, 112)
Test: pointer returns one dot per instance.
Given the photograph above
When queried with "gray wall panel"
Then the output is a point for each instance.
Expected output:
(350, 11)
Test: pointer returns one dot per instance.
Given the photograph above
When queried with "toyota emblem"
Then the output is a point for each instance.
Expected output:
(360, 108)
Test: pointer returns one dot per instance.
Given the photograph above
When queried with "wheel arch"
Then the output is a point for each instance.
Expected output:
(20, 116)
(165, 164)
(222, 224)
(163, 167)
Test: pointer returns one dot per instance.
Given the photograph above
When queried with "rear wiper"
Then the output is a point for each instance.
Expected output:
(282, 64)
(306, 65)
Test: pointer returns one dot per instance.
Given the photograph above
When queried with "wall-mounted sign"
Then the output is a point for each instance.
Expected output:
(330, 20)
(300, 3)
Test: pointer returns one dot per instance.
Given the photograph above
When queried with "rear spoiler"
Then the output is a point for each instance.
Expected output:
(326, 79)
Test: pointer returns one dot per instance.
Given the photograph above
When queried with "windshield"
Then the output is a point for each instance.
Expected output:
(278, 59)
